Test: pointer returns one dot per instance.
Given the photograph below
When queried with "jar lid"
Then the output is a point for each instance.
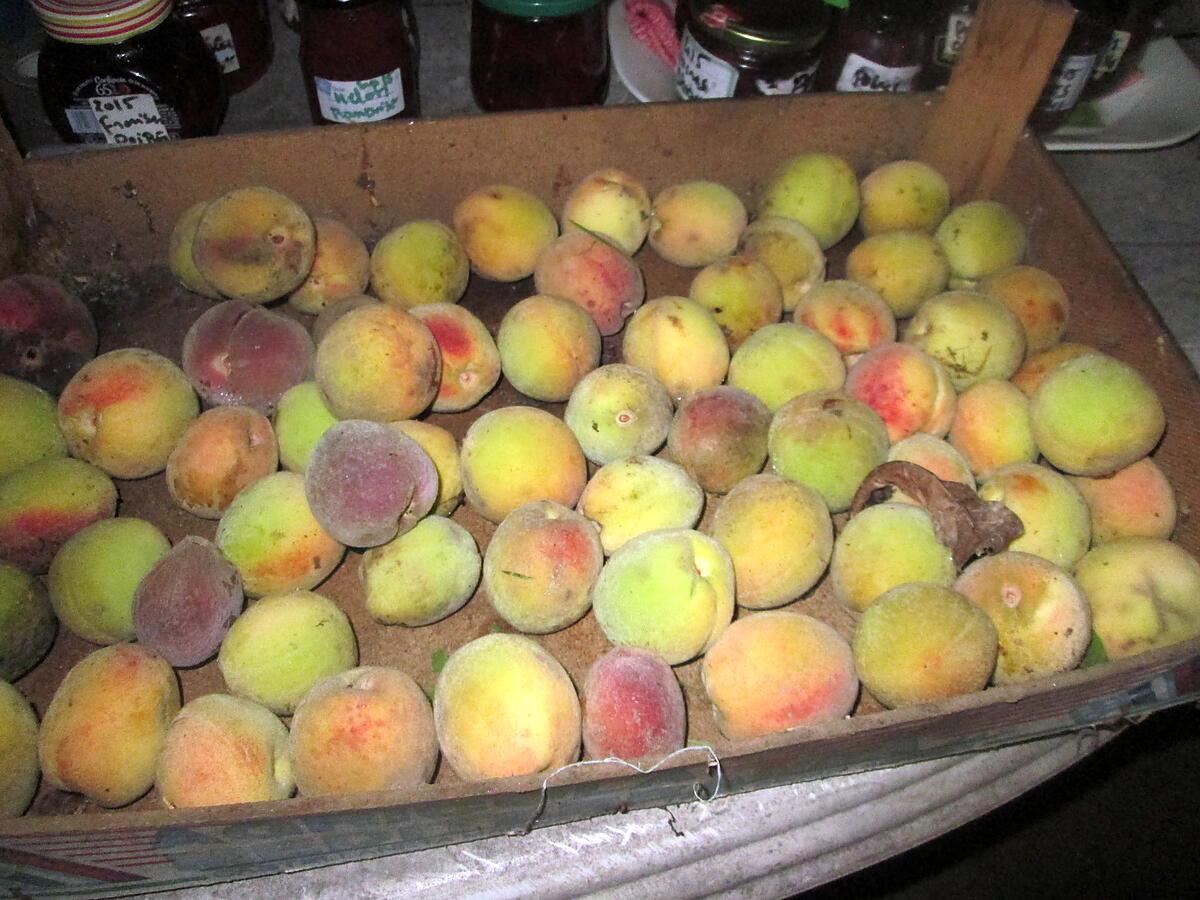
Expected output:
(539, 9)
(99, 21)
(763, 26)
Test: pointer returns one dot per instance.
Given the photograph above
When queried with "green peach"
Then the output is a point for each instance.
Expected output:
(695, 223)
(637, 494)
(905, 267)
(419, 263)
(679, 342)
(443, 450)
(28, 426)
(18, 752)
(743, 294)
(301, 417)
(789, 250)
(547, 345)
(904, 194)
(27, 622)
(981, 238)
(611, 203)
(973, 335)
(618, 410)
(819, 190)
(1057, 524)
(782, 361)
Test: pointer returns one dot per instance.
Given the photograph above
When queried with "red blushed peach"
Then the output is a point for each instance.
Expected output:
(470, 358)
(854, 318)
(223, 451)
(632, 706)
(907, 387)
(593, 274)
(719, 436)
(1038, 365)
(1136, 501)
(46, 334)
(1038, 301)
(776, 671)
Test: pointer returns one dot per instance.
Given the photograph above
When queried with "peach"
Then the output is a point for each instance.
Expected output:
(546, 346)
(1057, 524)
(28, 426)
(503, 229)
(517, 454)
(300, 419)
(973, 335)
(179, 252)
(933, 454)
(789, 250)
(419, 263)
(27, 623)
(339, 268)
(776, 671)
(442, 449)
(330, 314)
(884, 546)
(669, 591)
(422, 576)
(107, 724)
(778, 534)
(719, 436)
(91, 593)
(743, 294)
(504, 706)
(223, 749)
(852, 317)
(368, 729)
(271, 537)
(695, 223)
(906, 268)
(818, 190)
(1136, 501)
(378, 362)
(908, 388)
(223, 451)
(125, 410)
(679, 342)
(594, 275)
(44, 503)
(779, 362)
(254, 244)
(1036, 298)
(1042, 619)
(1144, 593)
(470, 359)
(1075, 408)
(284, 644)
(979, 239)
(904, 194)
(991, 426)
(540, 566)
(828, 442)
(632, 706)
(919, 643)
(618, 410)
(637, 494)
(1038, 365)
(612, 204)
(46, 334)
(18, 752)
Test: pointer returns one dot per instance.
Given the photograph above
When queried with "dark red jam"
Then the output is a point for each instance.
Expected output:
(238, 32)
(877, 45)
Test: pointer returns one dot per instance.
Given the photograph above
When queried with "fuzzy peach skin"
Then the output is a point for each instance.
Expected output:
(678, 342)
(1144, 593)
(668, 591)
(27, 622)
(1136, 501)
(903, 194)
(503, 230)
(443, 450)
(378, 362)
(776, 671)
(719, 436)
(107, 723)
(818, 190)
(1042, 619)
(45, 503)
(18, 752)
(28, 425)
(340, 268)
(919, 643)
(470, 359)
(618, 410)
(504, 706)
(1038, 365)
(1038, 301)
(906, 268)
(909, 389)
(220, 453)
(778, 534)
(179, 252)
(1057, 522)
(991, 426)
(973, 335)
(271, 537)
(743, 294)
(632, 706)
(980, 238)
(517, 454)
(637, 494)
(789, 250)
(222, 749)
(125, 410)
(547, 345)
(594, 275)
(884, 546)
(933, 454)
(610, 203)
(695, 223)
(301, 417)
(368, 729)
(782, 361)
(853, 317)
(419, 263)
(1094, 414)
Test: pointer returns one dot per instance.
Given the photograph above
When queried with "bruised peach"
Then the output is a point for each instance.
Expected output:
(368, 729)
(1038, 365)
(818, 190)
(981, 238)
(546, 346)
(46, 334)
(125, 410)
(776, 671)
(908, 388)
(618, 410)
(904, 194)
(419, 263)
(1053, 512)
(743, 295)
(339, 269)
(1136, 501)
(504, 706)
(719, 436)
(300, 419)
(632, 706)
(852, 317)
(220, 453)
(442, 449)
(503, 229)
(18, 752)
(471, 363)
(973, 335)
(422, 576)
(592, 274)
(789, 250)
(27, 623)
(678, 342)
(179, 252)
(1036, 298)
(610, 203)
(637, 494)
(107, 723)
(906, 268)
(696, 222)
(991, 426)
(28, 426)
(934, 454)
(782, 361)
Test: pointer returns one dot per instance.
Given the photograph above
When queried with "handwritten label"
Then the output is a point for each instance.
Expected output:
(701, 76)
(368, 100)
(220, 41)
(799, 83)
(1067, 83)
(861, 74)
(129, 119)
(1112, 55)
(948, 45)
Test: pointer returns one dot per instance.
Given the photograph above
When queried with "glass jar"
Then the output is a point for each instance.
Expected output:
(947, 31)
(1132, 25)
(538, 54)
(238, 32)
(359, 60)
(126, 72)
(877, 45)
(747, 48)
(1088, 38)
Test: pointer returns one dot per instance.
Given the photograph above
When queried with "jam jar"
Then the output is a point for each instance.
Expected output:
(359, 60)
(948, 26)
(538, 54)
(238, 32)
(1132, 24)
(126, 72)
(877, 45)
(749, 47)
(1088, 38)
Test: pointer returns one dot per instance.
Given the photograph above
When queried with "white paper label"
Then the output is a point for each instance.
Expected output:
(701, 76)
(129, 119)
(948, 45)
(1112, 55)
(799, 83)
(861, 74)
(367, 100)
(220, 41)
(1067, 83)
